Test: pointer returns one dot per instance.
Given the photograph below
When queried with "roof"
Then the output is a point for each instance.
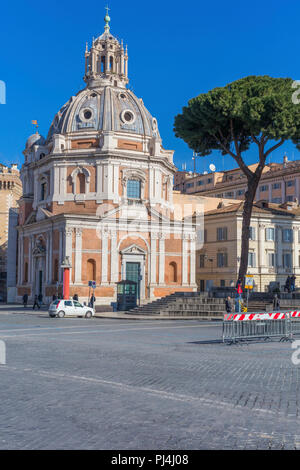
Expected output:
(260, 207)
(104, 108)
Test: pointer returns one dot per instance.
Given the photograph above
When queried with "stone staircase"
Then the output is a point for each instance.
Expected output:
(193, 304)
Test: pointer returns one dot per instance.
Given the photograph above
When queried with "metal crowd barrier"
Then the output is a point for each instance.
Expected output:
(282, 325)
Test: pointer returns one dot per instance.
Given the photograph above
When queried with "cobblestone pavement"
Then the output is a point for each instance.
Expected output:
(110, 384)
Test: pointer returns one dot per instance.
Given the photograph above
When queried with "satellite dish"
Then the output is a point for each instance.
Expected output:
(212, 167)
(205, 172)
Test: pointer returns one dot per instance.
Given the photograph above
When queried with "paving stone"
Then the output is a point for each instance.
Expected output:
(111, 384)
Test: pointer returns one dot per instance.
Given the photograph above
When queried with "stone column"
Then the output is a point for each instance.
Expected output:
(68, 246)
(62, 184)
(193, 259)
(153, 258)
(30, 257)
(78, 255)
(104, 256)
(55, 182)
(161, 258)
(184, 259)
(48, 259)
(114, 258)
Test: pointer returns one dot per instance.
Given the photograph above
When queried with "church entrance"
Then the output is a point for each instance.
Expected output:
(133, 273)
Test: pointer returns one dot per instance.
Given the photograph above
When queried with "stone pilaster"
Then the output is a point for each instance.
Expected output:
(185, 243)
(193, 259)
(114, 258)
(161, 258)
(104, 239)
(78, 255)
(153, 258)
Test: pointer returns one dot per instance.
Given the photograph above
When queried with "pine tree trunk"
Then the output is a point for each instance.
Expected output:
(248, 204)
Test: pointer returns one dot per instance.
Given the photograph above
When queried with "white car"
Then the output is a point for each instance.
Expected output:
(68, 308)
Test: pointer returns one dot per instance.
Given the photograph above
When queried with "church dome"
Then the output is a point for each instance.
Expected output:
(104, 109)
(35, 139)
(105, 104)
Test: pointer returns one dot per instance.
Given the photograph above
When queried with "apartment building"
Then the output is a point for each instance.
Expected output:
(280, 183)
(274, 248)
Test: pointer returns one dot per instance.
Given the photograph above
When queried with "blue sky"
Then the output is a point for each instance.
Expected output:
(176, 51)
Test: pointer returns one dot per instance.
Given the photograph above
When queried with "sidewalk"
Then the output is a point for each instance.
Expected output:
(18, 308)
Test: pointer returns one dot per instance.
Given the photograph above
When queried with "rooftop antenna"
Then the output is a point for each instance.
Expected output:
(194, 158)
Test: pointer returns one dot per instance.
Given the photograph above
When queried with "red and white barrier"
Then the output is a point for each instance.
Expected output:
(260, 316)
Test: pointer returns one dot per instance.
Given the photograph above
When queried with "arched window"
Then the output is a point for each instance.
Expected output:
(102, 64)
(91, 270)
(173, 271)
(80, 183)
(43, 191)
(26, 272)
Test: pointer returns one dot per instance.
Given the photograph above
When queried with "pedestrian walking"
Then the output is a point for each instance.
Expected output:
(92, 300)
(25, 300)
(75, 297)
(36, 302)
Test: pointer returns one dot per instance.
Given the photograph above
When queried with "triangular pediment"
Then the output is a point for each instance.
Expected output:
(144, 212)
(133, 250)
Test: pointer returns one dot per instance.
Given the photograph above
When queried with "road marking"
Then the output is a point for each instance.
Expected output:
(100, 331)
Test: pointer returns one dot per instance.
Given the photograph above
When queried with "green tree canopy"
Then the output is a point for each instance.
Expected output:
(257, 110)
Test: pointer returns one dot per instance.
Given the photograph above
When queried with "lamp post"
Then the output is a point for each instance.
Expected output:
(66, 266)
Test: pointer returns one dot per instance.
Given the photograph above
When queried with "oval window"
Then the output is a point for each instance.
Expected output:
(128, 116)
(87, 114)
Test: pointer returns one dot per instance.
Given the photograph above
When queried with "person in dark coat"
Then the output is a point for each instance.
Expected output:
(228, 305)
(92, 300)
(287, 286)
(75, 297)
(276, 302)
(36, 302)
(40, 298)
(293, 282)
(25, 300)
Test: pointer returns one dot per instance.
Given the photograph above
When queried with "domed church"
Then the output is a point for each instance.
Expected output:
(99, 189)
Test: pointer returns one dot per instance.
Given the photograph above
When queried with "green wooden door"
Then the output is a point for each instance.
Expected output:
(132, 274)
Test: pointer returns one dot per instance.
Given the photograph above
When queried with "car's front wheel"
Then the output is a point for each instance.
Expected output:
(88, 314)
(61, 314)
